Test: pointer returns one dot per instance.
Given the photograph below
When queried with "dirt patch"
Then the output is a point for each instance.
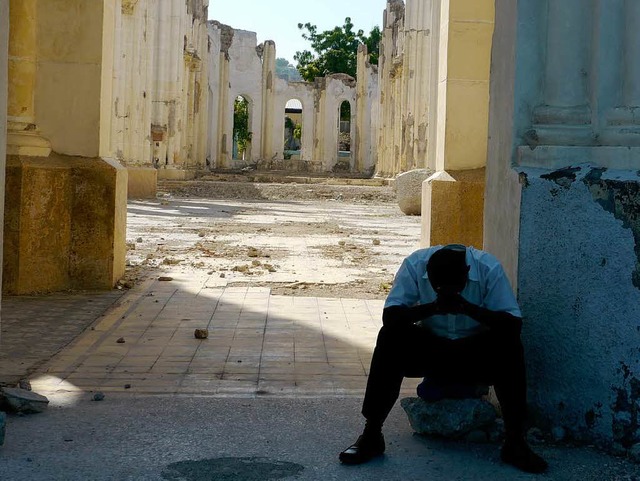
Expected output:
(305, 245)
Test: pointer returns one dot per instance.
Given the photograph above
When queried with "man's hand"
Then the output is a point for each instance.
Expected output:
(449, 302)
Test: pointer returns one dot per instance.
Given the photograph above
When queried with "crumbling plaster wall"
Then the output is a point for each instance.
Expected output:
(159, 93)
(304, 92)
(562, 205)
(247, 69)
(579, 289)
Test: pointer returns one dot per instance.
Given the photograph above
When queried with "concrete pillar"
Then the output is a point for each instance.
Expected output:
(23, 135)
(4, 57)
(458, 121)
(631, 74)
(362, 146)
(65, 215)
(567, 73)
(419, 83)
(268, 99)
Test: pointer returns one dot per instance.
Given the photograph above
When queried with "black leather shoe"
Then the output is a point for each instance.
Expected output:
(520, 455)
(364, 449)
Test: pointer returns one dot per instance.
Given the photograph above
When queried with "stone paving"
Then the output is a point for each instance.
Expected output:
(33, 329)
(259, 344)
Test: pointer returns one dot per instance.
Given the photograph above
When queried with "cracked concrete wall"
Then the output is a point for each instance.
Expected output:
(561, 208)
(580, 297)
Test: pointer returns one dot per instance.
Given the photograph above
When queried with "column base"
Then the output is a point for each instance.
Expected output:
(453, 208)
(142, 182)
(176, 174)
(64, 225)
(28, 143)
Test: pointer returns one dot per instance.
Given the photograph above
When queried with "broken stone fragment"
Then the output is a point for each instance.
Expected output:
(449, 418)
(408, 188)
(99, 396)
(24, 384)
(201, 333)
(22, 401)
(120, 340)
(165, 278)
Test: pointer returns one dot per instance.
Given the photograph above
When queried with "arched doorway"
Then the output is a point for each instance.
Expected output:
(343, 163)
(241, 128)
(292, 149)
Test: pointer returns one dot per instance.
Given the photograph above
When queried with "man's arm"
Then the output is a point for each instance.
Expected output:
(495, 320)
(403, 315)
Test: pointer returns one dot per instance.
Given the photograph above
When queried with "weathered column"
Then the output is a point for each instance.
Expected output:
(631, 63)
(567, 73)
(362, 145)
(268, 98)
(65, 215)
(623, 118)
(419, 82)
(457, 108)
(23, 137)
(389, 72)
(4, 54)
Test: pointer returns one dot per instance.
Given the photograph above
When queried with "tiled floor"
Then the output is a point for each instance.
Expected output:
(35, 328)
(258, 345)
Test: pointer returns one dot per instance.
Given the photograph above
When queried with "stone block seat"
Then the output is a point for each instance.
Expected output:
(454, 411)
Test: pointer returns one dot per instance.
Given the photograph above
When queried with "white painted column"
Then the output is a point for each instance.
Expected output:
(567, 69)
(631, 63)
(568, 37)
(268, 99)
(419, 82)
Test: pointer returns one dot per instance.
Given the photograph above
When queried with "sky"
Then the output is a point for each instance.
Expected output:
(278, 20)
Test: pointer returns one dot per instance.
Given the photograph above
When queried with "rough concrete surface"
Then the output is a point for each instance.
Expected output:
(159, 438)
(309, 240)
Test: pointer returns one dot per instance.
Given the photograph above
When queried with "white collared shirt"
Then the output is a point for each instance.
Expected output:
(487, 287)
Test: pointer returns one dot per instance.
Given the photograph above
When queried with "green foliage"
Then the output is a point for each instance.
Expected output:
(241, 132)
(297, 132)
(336, 51)
(287, 71)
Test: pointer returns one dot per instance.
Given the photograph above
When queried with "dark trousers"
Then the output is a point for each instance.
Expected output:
(411, 351)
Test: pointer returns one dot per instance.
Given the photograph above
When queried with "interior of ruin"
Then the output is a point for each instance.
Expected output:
(523, 113)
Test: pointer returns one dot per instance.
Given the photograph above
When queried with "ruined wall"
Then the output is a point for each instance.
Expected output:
(562, 197)
(390, 68)
(304, 92)
(159, 93)
(365, 150)
(247, 69)
(330, 92)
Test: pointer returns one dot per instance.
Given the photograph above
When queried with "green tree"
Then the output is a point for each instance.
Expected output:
(336, 51)
(241, 132)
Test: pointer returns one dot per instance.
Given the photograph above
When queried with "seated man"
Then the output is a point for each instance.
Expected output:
(452, 316)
